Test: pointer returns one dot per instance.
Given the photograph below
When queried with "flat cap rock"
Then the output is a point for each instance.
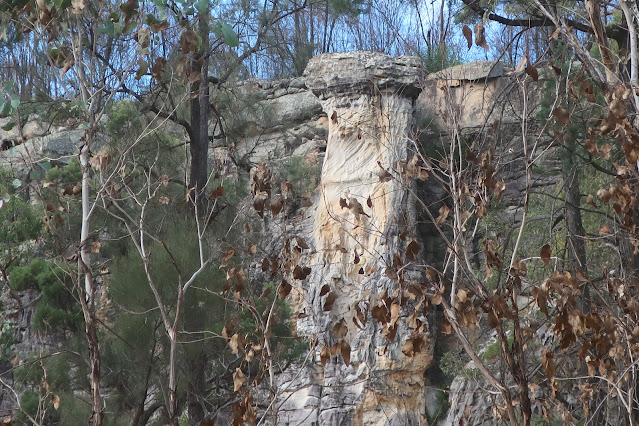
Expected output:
(471, 71)
(363, 71)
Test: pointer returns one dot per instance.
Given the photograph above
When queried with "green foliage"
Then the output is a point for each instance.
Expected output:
(442, 404)
(30, 403)
(57, 308)
(125, 120)
(453, 365)
(54, 378)
(429, 124)
(348, 7)
(141, 343)
(19, 221)
(286, 346)
(6, 339)
(438, 58)
(301, 172)
(63, 175)
(8, 101)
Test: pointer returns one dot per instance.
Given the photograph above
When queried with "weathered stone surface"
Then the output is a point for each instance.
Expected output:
(271, 120)
(8, 135)
(380, 386)
(475, 96)
(34, 127)
(473, 71)
(58, 147)
(362, 72)
(469, 403)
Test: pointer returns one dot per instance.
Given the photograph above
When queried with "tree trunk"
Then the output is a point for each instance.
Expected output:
(200, 117)
(574, 224)
(88, 295)
(196, 388)
(173, 417)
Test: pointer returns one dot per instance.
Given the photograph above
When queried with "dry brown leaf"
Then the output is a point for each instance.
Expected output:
(276, 206)
(228, 254)
(562, 116)
(604, 195)
(493, 321)
(411, 250)
(56, 401)
(500, 187)
(157, 68)
(342, 203)
(436, 299)
(444, 210)
(300, 273)
(301, 243)
(330, 299)
(587, 90)
(545, 254)
(259, 199)
(188, 41)
(340, 329)
(265, 264)
(532, 72)
(219, 191)
(236, 344)
(384, 176)
(238, 379)
(480, 37)
(285, 289)
(468, 34)
(325, 355)
(324, 290)
(522, 63)
(346, 352)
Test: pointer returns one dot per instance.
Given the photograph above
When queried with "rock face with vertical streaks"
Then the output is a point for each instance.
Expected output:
(355, 226)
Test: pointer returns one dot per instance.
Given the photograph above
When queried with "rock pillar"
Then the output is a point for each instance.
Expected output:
(368, 98)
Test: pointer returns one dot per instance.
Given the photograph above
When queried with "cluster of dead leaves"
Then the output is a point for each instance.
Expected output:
(488, 186)
(480, 35)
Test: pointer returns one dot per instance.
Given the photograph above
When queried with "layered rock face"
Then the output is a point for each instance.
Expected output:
(355, 226)
(352, 114)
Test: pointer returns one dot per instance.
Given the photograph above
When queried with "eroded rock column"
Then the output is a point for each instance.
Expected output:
(369, 100)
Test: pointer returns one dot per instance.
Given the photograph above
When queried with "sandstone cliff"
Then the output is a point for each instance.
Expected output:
(351, 117)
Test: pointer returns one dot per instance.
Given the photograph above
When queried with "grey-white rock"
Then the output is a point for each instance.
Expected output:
(471, 71)
(363, 72)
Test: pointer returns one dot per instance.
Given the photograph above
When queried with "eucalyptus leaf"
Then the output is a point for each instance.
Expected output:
(202, 6)
(108, 29)
(5, 108)
(15, 101)
(227, 33)
(16, 183)
(10, 125)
